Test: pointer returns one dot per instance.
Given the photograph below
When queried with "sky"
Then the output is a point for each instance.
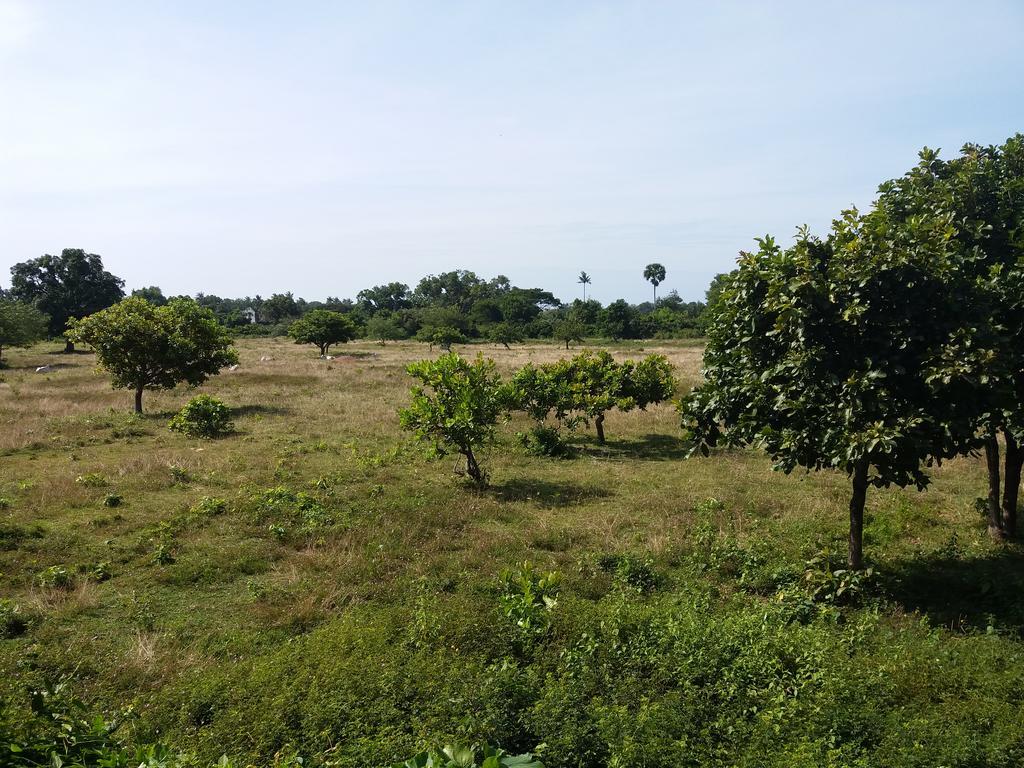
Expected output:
(242, 148)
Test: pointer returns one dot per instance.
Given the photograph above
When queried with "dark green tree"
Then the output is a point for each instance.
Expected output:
(21, 325)
(982, 190)
(72, 285)
(152, 294)
(322, 328)
(655, 275)
(143, 346)
(827, 355)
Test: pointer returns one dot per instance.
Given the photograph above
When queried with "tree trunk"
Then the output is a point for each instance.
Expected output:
(1014, 461)
(566, 343)
(69, 347)
(1, 352)
(855, 556)
(995, 521)
(506, 345)
(472, 468)
(599, 426)
(138, 399)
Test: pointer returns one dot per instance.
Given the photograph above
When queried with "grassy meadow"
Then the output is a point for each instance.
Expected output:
(315, 584)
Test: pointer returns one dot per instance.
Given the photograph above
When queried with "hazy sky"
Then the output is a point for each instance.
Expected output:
(321, 147)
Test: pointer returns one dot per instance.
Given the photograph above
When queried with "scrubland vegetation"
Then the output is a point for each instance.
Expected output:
(312, 584)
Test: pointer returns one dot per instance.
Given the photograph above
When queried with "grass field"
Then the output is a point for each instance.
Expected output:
(314, 583)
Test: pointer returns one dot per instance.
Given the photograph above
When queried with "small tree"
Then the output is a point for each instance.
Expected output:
(655, 275)
(384, 328)
(21, 325)
(323, 328)
(143, 346)
(456, 406)
(442, 336)
(505, 334)
(824, 354)
(568, 330)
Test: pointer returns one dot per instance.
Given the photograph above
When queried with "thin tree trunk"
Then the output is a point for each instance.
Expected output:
(995, 521)
(599, 426)
(566, 343)
(1014, 461)
(138, 399)
(69, 347)
(855, 556)
(472, 468)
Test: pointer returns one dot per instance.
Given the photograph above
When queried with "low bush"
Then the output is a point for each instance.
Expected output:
(203, 416)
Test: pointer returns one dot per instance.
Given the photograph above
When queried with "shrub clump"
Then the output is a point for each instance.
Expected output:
(203, 416)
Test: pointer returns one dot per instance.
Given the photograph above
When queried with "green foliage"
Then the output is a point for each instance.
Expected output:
(144, 346)
(456, 406)
(655, 275)
(72, 285)
(468, 757)
(542, 440)
(527, 600)
(56, 577)
(443, 336)
(822, 354)
(568, 331)
(384, 328)
(505, 334)
(21, 324)
(288, 510)
(112, 500)
(322, 328)
(587, 386)
(202, 416)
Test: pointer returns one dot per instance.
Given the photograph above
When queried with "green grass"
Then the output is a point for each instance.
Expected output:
(345, 599)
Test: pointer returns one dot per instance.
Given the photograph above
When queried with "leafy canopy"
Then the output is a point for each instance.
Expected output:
(455, 406)
(322, 328)
(21, 324)
(827, 354)
(71, 285)
(144, 346)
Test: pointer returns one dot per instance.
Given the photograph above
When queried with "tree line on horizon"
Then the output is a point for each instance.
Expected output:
(49, 292)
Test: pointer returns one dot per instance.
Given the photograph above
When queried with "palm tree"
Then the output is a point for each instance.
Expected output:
(654, 274)
(584, 280)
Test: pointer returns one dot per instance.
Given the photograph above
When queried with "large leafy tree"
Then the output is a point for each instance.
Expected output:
(21, 325)
(834, 355)
(982, 190)
(384, 298)
(71, 285)
(144, 346)
(655, 275)
(322, 328)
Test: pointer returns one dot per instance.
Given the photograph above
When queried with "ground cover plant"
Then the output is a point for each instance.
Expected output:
(311, 585)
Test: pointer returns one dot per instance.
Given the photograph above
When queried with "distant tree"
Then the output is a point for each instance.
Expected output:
(569, 330)
(21, 325)
(443, 336)
(72, 285)
(655, 275)
(505, 334)
(152, 294)
(279, 307)
(384, 328)
(828, 355)
(390, 297)
(456, 406)
(617, 320)
(322, 328)
(456, 290)
(584, 280)
(143, 346)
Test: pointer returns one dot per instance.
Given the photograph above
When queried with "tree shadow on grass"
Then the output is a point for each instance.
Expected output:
(257, 409)
(962, 593)
(651, 447)
(547, 493)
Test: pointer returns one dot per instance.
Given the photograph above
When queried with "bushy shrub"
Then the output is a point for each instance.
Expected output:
(469, 757)
(12, 621)
(203, 416)
(56, 577)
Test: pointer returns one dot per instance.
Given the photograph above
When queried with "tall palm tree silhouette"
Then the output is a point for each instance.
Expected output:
(584, 280)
